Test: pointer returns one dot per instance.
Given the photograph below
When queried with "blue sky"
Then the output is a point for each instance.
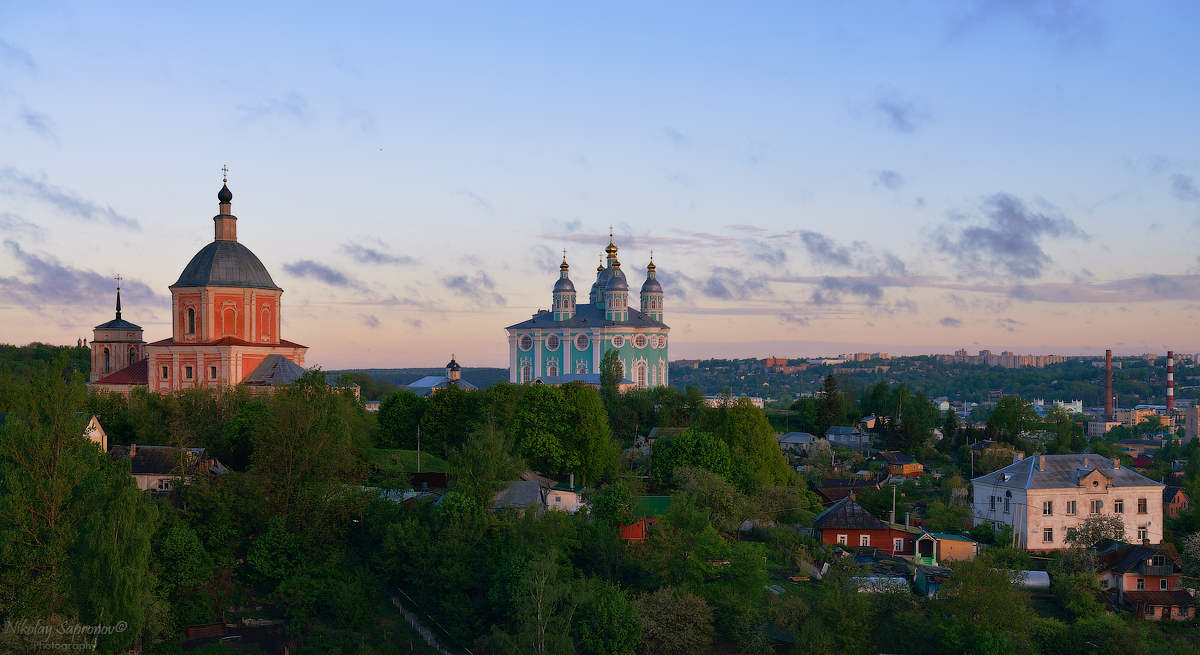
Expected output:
(813, 178)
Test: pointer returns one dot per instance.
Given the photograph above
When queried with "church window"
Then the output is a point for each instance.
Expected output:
(641, 376)
(552, 370)
(228, 321)
(212, 372)
(187, 372)
(191, 321)
(582, 342)
(164, 372)
(107, 362)
(552, 342)
(639, 341)
(581, 368)
(525, 342)
(618, 341)
(132, 356)
(525, 374)
(265, 326)
(662, 341)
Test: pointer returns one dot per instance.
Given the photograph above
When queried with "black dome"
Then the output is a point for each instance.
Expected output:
(224, 195)
(225, 264)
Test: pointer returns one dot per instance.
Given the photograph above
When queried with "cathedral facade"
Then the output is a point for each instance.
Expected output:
(568, 341)
(225, 325)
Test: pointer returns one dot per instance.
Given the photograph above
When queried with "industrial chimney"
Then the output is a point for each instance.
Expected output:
(1108, 397)
(1170, 381)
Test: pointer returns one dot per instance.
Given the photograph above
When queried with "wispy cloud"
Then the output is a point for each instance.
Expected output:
(46, 281)
(1184, 187)
(16, 56)
(1009, 240)
(369, 320)
(890, 180)
(859, 256)
(951, 322)
(365, 255)
(10, 222)
(1008, 324)
(1068, 23)
(39, 124)
(831, 289)
(307, 268)
(677, 138)
(65, 201)
(480, 288)
(290, 104)
(901, 112)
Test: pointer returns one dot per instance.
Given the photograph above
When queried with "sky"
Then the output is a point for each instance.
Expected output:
(813, 178)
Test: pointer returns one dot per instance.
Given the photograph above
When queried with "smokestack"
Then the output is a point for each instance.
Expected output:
(1170, 381)
(1108, 397)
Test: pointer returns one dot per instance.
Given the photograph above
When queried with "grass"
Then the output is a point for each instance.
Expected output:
(404, 460)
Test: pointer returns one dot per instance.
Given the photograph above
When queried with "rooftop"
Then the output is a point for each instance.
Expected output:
(1063, 471)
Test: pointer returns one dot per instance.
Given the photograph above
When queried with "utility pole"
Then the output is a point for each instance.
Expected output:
(418, 448)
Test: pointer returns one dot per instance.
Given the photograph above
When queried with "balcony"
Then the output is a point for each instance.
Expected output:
(1168, 569)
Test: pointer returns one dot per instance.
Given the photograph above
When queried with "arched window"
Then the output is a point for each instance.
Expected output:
(525, 374)
(191, 321)
(265, 327)
(132, 356)
(552, 370)
(107, 362)
(228, 321)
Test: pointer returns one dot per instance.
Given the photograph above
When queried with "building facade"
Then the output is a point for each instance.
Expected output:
(225, 319)
(1040, 497)
(573, 337)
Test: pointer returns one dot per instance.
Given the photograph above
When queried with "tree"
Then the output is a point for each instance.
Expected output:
(538, 425)
(690, 448)
(450, 418)
(1095, 528)
(674, 623)
(482, 466)
(1011, 418)
(613, 504)
(985, 602)
(744, 428)
(683, 545)
(543, 610)
(829, 407)
(587, 439)
(724, 505)
(607, 624)
(611, 374)
(940, 517)
(399, 415)
(949, 432)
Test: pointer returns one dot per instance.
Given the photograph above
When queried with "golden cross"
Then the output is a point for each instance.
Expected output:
(224, 173)
(118, 279)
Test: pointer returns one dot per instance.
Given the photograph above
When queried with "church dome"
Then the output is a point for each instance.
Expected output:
(616, 281)
(651, 286)
(564, 285)
(225, 195)
(225, 264)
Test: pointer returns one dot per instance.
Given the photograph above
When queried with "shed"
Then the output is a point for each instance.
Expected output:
(1037, 582)
(929, 579)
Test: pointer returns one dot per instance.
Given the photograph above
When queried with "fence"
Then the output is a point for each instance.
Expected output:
(425, 633)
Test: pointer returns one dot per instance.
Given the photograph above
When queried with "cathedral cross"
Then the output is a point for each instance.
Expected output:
(118, 279)
(224, 173)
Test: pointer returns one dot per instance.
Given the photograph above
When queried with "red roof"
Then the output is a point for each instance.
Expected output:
(135, 373)
(1141, 462)
(229, 341)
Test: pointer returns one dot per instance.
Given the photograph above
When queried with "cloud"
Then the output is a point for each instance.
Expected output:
(10, 222)
(365, 255)
(793, 319)
(1010, 238)
(416, 323)
(1184, 187)
(677, 138)
(65, 201)
(39, 123)
(290, 104)
(46, 281)
(831, 290)
(890, 180)
(728, 283)
(307, 268)
(478, 199)
(765, 252)
(480, 288)
(17, 56)
(824, 250)
(1008, 324)
(951, 322)
(902, 113)
(369, 320)
(1068, 22)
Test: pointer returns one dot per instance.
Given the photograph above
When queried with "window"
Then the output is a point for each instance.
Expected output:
(641, 376)
(228, 321)
(191, 321)
(1006, 505)
(525, 374)
(107, 362)
(164, 485)
(841, 539)
(1048, 508)
(864, 540)
(525, 342)
(1141, 505)
(552, 370)
(552, 342)
(558, 499)
(639, 341)
(582, 342)
(1166, 611)
(187, 372)
(1047, 535)
(132, 356)
(618, 341)
(581, 367)
(1071, 507)
(1162, 584)
(212, 372)
(164, 372)
(1149, 610)
(1143, 533)
(1096, 506)
(1141, 584)
(897, 545)
(1158, 560)
(1119, 506)
(992, 500)
(264, 327)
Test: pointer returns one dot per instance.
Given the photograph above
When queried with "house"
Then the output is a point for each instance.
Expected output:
(955, 547)
(839, 435)
(901, 464)
(1175, 501)
(1040, 497)
(832, 491)
(92, 430)
(158, 468)
(647, 509)
(429, 384)
(1140, 447)
(929, 579)
(797, 442)
(565, 497)
(520, 495)
(848, 524)
(1146, 581)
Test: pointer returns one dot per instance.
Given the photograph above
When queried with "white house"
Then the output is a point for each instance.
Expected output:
(1040, 497)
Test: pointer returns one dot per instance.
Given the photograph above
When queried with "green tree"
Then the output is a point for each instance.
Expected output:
(452, 415)
(949, 432)
(674, 623)
(1093, 529)
(586, 440)
(829, 407)
(691, 448)
(399, 415)
(745, 429)
(538, 426)
(986, 603)
(683, 545)
(184, 563)
(1011, 418)
(613, 504)
(611, 374)
(543, 610)
(607, 623)
(483, 466)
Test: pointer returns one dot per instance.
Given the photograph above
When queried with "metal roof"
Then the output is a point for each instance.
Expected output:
(847, 514)
(1062, 472)
(274, 370)
(225, 264)
(588, 316)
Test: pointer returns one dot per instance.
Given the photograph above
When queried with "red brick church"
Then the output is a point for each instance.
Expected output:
(225, 319)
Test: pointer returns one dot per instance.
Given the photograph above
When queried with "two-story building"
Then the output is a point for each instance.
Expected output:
(900, 464)
(1040, 497)
(1175, 501)
(1148, 581)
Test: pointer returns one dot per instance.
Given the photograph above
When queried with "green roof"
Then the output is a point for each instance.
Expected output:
(652, 505)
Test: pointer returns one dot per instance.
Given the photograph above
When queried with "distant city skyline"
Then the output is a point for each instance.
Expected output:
(813, 179)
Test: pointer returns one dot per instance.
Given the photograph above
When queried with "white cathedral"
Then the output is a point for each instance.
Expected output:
(567, 343)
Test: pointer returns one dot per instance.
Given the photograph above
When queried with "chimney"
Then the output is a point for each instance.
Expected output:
(906, 519)
(1170, 381)
(1117, 463)
(1041, 462)
(1146, 542)
(572, 481)
(132, 450)
(1108, 393)
(892, 516)
(1085, 462)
